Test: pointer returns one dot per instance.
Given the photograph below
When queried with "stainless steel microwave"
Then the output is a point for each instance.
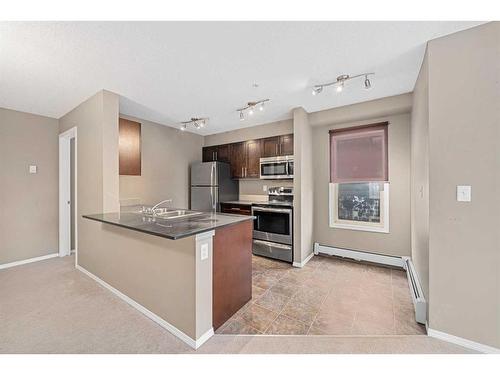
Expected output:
(276, 168)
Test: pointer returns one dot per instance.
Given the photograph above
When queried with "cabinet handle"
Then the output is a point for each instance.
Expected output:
(242, 175)
(245, 171)
(281, 150)
(213, 155)
(216, 155)
(276, 149)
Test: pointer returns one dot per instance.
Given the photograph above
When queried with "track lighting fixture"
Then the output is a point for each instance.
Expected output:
(250, 108)
(340, 83)
(198, 123)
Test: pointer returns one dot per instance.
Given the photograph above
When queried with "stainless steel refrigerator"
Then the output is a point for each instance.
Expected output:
(211, 184)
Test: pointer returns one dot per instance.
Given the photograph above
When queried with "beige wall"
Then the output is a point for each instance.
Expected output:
(464, 134)
(159, 274)
(29, 202)
(420, 177)
(166, 156)
(254, 132)
(303, 186)
(397, 241)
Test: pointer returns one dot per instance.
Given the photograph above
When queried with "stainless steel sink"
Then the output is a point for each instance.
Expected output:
(169, 213)
(173, 214)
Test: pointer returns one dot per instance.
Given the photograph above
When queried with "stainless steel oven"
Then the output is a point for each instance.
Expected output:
(277, 167)
(273, 231)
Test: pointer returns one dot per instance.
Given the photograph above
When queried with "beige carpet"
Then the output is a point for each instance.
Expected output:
(50, 307)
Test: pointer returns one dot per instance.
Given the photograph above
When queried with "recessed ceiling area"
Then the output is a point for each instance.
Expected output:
(169, 72)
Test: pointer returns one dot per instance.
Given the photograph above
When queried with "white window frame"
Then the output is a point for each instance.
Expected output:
(382, 227)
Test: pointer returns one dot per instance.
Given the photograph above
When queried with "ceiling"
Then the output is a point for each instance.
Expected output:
(168, 72)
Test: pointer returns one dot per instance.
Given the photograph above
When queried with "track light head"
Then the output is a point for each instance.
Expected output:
(242, 116)
(368, 84)
(317, 90)
(340, 87)
(261, 106)
(183, 127)
(250, 111)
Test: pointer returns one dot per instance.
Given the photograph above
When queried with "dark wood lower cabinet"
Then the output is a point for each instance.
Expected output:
(232, 270)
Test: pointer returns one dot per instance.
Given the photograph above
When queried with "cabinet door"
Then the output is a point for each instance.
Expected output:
(237, 158)
(209, 153)
(286, 144)
(270, 147)
(222, 153)
(253, 151)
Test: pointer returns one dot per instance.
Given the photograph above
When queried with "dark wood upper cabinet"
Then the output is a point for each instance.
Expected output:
(270, 147)
(286, 144)
(216, 153)
(222, 153)
(237, 155)
(253, 154)
(244, 157)
(209, 153)
(129, 147)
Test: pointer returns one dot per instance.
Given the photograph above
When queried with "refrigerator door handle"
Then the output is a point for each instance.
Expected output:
(212, 175)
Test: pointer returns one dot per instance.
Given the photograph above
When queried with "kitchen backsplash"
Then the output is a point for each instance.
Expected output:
(256, 187)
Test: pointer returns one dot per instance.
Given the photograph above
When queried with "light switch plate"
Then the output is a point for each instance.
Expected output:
(264, 187)
(32, 168)
(204, 251)
(464, 193)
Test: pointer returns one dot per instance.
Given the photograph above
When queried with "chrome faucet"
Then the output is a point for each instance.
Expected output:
(153, 209)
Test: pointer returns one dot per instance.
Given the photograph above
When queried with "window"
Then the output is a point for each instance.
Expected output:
(359, 187)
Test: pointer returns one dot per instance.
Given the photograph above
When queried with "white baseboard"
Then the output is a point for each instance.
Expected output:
(304, 262)
(462, 342)
(360, 255)
(26, 261)
(195, 344)
(204, 338)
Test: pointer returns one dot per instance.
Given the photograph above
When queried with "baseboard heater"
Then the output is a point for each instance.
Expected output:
(417, 294)
(359, 255)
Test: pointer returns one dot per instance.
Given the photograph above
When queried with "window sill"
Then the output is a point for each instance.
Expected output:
(359, 227)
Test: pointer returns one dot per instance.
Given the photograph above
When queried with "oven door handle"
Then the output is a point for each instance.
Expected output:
(265, 209)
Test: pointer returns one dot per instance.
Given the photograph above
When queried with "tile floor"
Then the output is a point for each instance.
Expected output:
(329, 296)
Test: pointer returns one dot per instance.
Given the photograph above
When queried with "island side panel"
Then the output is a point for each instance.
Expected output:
(232, 270)
(156, 272)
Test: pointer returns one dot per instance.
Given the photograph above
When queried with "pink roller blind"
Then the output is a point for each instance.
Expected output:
(359, 154)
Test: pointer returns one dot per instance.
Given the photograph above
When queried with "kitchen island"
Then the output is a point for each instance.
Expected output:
(189, 273)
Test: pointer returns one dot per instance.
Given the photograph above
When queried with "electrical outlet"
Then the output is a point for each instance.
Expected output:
(264, 188)
(204, 251)
(32, 169)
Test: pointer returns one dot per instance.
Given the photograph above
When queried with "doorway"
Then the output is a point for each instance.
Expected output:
(68, 228)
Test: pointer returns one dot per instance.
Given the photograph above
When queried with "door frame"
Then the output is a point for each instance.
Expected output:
(65, 193)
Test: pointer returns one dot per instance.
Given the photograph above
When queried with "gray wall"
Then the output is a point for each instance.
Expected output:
(166, 156)
(420, 177)
(397, 241)
(29, 202)
(464, 134)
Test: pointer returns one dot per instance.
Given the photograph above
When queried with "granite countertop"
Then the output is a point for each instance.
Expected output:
(245, 203)
(267, 203)
(173, 229)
